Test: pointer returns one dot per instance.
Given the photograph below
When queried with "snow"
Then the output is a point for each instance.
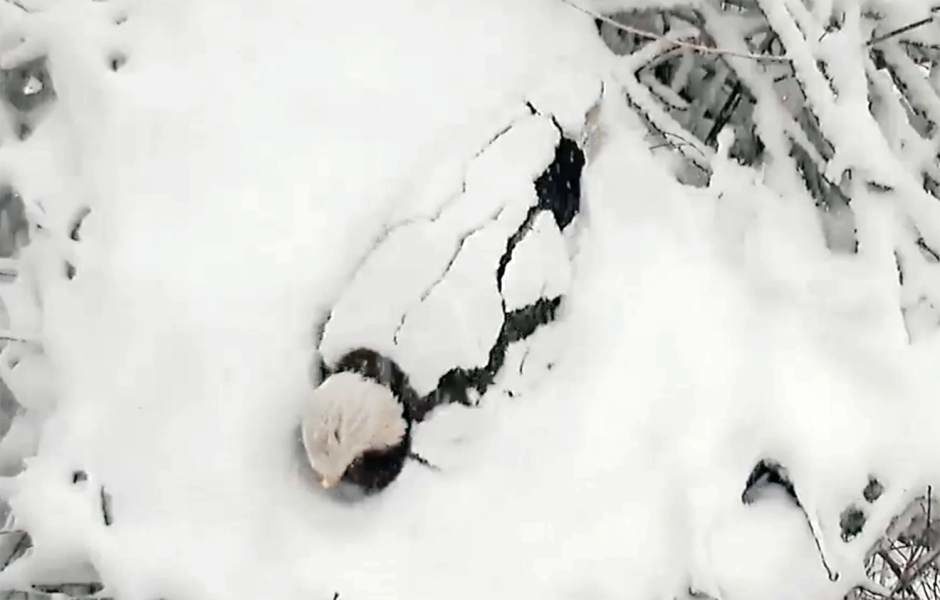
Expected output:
(444, 267)
(539, 267)
(251, 175)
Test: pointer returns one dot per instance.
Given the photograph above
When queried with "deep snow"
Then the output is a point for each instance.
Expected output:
(242, 166)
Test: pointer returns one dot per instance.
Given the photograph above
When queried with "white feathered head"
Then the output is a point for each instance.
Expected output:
(346, 416)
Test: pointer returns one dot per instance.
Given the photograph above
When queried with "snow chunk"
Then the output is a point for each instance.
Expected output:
(458, 322)
(539, 267)
(568, 96)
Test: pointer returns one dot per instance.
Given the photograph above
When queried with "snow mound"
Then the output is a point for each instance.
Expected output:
(220, 194)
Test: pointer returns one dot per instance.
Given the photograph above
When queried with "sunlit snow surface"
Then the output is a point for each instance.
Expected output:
(240, 169)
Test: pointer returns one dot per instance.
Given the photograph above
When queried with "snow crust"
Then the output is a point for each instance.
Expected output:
(254, 170)
(427, 295)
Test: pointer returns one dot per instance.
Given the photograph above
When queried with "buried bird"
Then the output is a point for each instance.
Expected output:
(355, 430)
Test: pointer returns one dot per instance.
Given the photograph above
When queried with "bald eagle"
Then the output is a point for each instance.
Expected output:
(357, 424)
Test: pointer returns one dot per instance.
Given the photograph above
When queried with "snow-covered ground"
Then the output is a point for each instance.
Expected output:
(254, 171)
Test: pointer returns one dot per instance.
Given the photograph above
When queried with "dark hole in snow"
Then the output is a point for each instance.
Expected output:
(932, 186)
(24, 131)
(851, 522)
(117, 60)
(14, 226)
(873, 490)
(559, 186)
(767, 473)
(70, 271)
(77, 221)
(71, 590)
(120, 19)
(79, 476)
(28, 86)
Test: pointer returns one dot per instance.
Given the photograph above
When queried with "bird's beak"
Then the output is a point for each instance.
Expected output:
(327, 483)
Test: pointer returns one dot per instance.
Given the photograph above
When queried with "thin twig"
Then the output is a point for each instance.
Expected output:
(901, 30)
(21, 546)
(911, 574)
(18, 5)
(105, 499)
(420, 459)
(894, 566)
(929, 502)
(9, 336)
(655, 36)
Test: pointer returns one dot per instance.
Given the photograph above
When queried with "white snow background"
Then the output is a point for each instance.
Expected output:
(240, 167)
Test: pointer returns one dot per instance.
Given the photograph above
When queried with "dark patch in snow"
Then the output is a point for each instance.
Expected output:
(70, 590)
(70, 271)
(511, 244)
(14, 225)
(117, 60)
(878, 188)
(851, 522)
(79, 477)
(14, 546)
(77, 221)
(873, 490)
(765, 473)
(106, 512)
(929, 253)
(452, 389)
(559, 187)
(28, 86)
(518, 324)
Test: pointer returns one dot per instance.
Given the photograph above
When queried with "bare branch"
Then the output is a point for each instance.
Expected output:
(655, 36)
(901, 30)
